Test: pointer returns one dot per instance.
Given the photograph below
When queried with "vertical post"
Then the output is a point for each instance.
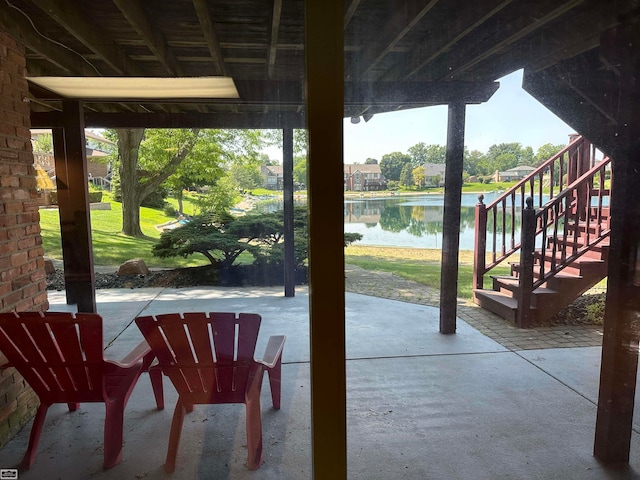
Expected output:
(619, 365)
(525, 278)
(480, 244)
(451, 218)
(73, 207)
(289, 253)
(324, 77)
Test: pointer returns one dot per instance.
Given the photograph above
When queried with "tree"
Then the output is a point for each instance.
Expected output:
(392, 163)
(418, 176)
(406, 176)
(136, 184)
(148, 158)
(371, 161)
(221, 238)
(300, 169)
(473, 161)
(545, 152)
(246, 177)
(421, 154)
(502, 157)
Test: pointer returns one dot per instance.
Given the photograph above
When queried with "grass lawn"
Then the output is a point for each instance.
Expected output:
(110, 247)
(420, 265)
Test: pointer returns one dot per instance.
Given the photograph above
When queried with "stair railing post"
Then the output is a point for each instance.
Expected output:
(480, 244)
(525, 280)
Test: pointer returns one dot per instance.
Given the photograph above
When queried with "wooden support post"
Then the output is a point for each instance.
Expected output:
(324, 75)
(451, 218)
(619, 365)
(480, 244)
(525, 277)
(73, 206)
(622, 318)
(289, 252)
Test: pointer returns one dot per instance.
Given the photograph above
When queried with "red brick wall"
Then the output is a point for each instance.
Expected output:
(22, 276)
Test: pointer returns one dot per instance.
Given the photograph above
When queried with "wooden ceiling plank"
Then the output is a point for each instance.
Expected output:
(351, 10)
(209, 32)
(521, 32)
(177, 120)
(273, 41)
(71, 62)
(154, 39)
(405, 18)
(426, 53)
(90, 35)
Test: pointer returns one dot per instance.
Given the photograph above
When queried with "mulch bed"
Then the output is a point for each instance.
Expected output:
(208, 275)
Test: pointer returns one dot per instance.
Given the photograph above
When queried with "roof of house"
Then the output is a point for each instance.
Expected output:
(434, 169)
(274, 169)
(350, 169)
(520, 168)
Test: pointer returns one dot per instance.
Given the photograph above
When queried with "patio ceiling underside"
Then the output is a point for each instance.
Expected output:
(398, 55)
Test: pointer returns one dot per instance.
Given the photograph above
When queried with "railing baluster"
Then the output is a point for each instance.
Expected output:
(567, 206)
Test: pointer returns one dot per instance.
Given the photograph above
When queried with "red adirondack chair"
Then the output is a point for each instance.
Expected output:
(209, 359)
(61, 357)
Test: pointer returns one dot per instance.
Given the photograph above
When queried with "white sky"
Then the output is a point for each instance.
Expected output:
(511, 115)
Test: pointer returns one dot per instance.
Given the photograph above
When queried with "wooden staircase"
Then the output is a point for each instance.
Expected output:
(564, 237)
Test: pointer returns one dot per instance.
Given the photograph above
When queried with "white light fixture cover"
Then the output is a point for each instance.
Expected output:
(137, 88)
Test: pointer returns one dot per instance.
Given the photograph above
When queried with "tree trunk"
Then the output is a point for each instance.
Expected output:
(179, 197)
(128, 147)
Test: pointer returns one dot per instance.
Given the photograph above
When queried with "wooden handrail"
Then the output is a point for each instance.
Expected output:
(499, 218)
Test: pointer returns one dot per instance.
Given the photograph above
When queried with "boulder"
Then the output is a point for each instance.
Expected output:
(48, 266)
(133, 267)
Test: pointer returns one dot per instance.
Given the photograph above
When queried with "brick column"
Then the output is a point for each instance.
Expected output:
(22, 275)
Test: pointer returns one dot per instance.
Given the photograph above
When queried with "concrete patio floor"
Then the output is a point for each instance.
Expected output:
(420, 405)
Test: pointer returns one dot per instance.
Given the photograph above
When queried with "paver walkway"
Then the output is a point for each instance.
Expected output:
(394, 287)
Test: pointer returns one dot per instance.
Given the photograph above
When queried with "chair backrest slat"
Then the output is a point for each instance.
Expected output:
(58, 352)
(223, 325)
(204, 356)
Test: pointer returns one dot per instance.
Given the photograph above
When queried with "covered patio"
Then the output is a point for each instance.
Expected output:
(419, 404)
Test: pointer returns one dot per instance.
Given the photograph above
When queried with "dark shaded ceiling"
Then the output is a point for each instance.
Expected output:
(398, 53)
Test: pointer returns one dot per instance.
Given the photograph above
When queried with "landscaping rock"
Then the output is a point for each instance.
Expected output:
(133, 267)
(49, 267)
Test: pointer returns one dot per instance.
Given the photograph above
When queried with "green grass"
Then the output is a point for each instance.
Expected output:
(421, 265)
(110, 247)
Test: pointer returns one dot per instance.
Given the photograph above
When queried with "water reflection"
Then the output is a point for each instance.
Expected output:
(412, 221)
(407, 221)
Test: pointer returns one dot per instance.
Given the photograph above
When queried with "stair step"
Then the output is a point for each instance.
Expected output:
(496, 302)
(512, 284)
(566, 273)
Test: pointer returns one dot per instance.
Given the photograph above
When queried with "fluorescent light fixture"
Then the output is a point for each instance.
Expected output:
(138, 88)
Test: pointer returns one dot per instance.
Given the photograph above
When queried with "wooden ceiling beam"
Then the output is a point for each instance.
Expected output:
(90, 35)
(154, 39)
(406, 16)
(350, 12)
(208, 29)
(177, 120)
(71, 62)
(444, 36)
(273, 40)
(474, 52)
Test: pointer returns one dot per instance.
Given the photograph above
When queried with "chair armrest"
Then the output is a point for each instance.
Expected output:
(142, 351)
(273, 351)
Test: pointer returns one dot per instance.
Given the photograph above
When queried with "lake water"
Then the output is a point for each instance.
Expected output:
(408, 221)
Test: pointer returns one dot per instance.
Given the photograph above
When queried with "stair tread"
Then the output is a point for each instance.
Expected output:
(499, 297)
(514, 282)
